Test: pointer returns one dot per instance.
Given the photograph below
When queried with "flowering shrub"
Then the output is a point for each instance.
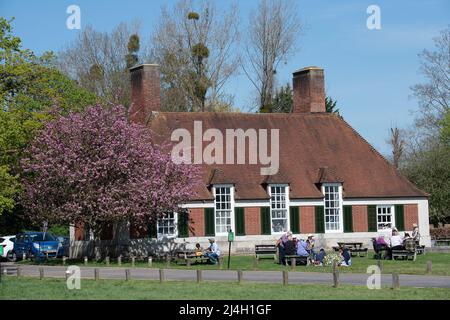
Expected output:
(440, 233)
(95, 167)
(329, 259)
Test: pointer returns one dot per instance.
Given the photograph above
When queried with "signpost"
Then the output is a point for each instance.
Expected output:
(230, 240)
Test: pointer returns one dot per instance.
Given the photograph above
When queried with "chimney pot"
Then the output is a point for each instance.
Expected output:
(309, 90)
(145, 92)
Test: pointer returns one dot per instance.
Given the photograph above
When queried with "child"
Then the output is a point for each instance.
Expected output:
(346, 257)
(198, 249)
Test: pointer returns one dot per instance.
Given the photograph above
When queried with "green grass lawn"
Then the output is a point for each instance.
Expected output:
(32, 288)
(440, 263)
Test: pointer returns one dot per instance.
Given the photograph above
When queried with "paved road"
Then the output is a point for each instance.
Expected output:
(226, 275)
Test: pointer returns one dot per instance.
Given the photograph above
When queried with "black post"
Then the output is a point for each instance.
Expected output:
(229, 253)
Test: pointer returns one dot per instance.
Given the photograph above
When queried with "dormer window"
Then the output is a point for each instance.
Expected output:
(333, 207)
(279, 208)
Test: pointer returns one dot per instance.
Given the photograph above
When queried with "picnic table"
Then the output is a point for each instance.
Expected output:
(190, 257)
(356, 248)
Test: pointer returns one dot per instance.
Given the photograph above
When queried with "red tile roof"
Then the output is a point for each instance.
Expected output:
(314, 148)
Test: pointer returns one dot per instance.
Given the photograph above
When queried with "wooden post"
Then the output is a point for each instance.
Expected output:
(46, 256)
(239, 275)
(162, 277)
(336, 278)
(119, 260)
(19, 271)
(133, 260)
(41, 273)
(199, 276)
(85, 261)
(293, 263)
(127, 274)
(96, 274)
(429, 267)
(64, 259)
(285, 278)
(255, 263)
(150, 261)
(24, 256)
(107, 261)
(395, 281)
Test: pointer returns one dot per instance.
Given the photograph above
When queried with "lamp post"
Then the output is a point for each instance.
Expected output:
(230, 240)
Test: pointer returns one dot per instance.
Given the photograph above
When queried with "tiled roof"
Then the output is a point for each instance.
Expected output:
(314, 148)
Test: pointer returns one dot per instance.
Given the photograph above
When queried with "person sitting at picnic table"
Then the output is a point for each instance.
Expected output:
(346, 257)
(415, 233)
(396, 242)
(301, 249)
(280, 245)
(290, 247)
(198, 250)
(213, 252)
(318, 259)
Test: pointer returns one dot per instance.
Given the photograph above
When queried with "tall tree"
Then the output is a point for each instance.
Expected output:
(397, 143)
(30, 87)
(99, 61)
(434, 94)
(427, 151)
(95, 168)
(273, 30)
(195, 51)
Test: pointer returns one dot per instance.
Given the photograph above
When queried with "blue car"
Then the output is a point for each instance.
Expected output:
(34, 245)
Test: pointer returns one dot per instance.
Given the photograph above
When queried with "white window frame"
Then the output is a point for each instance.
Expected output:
(340, 208)
(168, 236)
(231, 187)
(286, 190)
(392, 207)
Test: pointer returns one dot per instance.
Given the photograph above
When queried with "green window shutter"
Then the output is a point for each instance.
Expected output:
(152, 232)
(320, 219)
(239, 220)
(372, 218)
(183, 224)
(294, 219)
(265, 220)
(210, 228)
(399, 217)
(348, 219)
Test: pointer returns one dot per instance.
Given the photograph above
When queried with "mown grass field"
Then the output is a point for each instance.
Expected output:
(440, 264)
(51, 289)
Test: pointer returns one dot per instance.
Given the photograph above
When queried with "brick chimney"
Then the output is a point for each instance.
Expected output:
(309, 90)
(145, 92)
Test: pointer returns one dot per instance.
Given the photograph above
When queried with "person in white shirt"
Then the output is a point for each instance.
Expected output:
(396, 242)
(213, 251)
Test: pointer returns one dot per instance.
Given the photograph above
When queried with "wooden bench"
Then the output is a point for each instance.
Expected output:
(303, 261)
(189, 257)
(420, 249)
(264, 250)
(361, 252)
(404, 254)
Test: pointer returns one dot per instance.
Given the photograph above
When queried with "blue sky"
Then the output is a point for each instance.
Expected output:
(369, 72)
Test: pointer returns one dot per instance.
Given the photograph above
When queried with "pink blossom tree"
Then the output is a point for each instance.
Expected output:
(96, 168)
